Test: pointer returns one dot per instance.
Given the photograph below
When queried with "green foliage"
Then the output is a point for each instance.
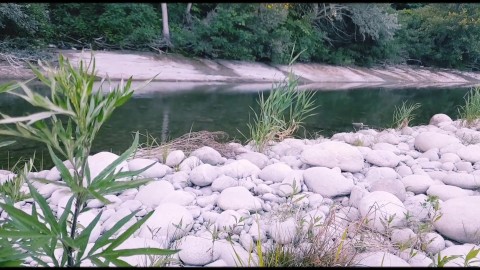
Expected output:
(446, 35)
(68, 124)
(11, 189)
(470, 112)
(404, 114)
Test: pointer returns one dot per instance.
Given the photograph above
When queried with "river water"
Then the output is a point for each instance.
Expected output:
(172, 114)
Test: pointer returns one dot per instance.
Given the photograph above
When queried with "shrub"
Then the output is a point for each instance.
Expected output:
(470, 112)
(72, 116)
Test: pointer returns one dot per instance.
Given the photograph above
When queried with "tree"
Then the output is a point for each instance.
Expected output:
(166, 29)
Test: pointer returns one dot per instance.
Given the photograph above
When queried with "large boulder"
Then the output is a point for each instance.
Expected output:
(203, 175)
(447, 192)
(417, 183)
(327, 182)
(461, 219)
(439, 118)
(153, 193)
(196, 250)
(332, 154)
(240, 169)
(380, 206)
(428, 140)
(98, 162)
(380, 173)
(462, 180)
(470, 153)
(259, 159)
(379, 259)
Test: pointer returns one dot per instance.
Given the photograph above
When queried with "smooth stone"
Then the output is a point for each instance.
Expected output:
(464, 166)
(189, 163)
(417, 183)
(179, 197)
(292, 184)
(327, 182)
(380, 173)
(229, 220)
(379, 259)
(450, 157)
(233, 254)
(208, 155)
(470, 153)
(283, 232)
(203, 201)
(217, 263)
(416, 257)
(431, 154)
(47, 190)
(382, 158)
(98, 162)
(415, 208)
(462, 180)
(131, 205)
(460, 219)
(404, 236)
(116, 217)
(393, 186)
(203, 175)
(157, 170)
(275, 172)
(154, 192)
(196, 250)
(235, 198)
(258, 159)
(174, 158)
(428, 140)
(439, 118)
(332, 154)
(458, 250)
(378, 206)
(447, 192)
(434, 242)
(240, 169)
(404, 170)
(223, 182)
(386, 147)
(137, 242)
(169, 220)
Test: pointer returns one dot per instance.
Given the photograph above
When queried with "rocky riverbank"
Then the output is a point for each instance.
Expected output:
(221, 205)
(175, 68)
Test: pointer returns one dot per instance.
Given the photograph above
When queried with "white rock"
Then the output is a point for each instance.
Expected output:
(393, 186)
(404, 170)
(229, 220)
(379, 206)
(470, 153)
(291, 184)
(233, 254)
(385, 146)
(283, 232)
(431, 154)
(58, 194)
(179, 197)
(53, 175)
(275, 172)
(258, 159)
(189, 163)
(137, 242)
(98, 162)
(196, 250)
(240, 169)
(204, 201)
(416, 209)
(428, 140)
(169, 220)
(447, 192)
(217, 263)
(47, 190)
(156, 171)
(222, 182)
(333, 154)
(464, 166)
(460, 220)
(417, 183)
(235, 198)
(434, 242)
(174, 158)
(116, 217)
(380, 173)
(203, 175)
(327, 182)
(382, 158)
(208, 155)
(449, 157)
(439, 118)
(458, 250)
(154, 192)
(462, 180)
(404, 236)
(379, 259)
(131, 205)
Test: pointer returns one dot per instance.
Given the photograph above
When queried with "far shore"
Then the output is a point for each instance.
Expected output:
(177, 73)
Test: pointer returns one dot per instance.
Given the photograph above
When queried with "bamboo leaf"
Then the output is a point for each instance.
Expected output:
(25, 219)
(125, 235)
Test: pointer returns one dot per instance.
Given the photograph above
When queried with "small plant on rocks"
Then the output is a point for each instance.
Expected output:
(470, 112)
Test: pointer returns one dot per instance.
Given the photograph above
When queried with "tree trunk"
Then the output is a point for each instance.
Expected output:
(166, 29)
(188, 16)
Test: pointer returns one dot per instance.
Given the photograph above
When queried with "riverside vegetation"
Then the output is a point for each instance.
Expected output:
(312, 205)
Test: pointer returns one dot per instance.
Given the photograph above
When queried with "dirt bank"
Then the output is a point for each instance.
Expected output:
(174, 68)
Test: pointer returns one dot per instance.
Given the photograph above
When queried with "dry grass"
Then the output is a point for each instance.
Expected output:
(188, 143)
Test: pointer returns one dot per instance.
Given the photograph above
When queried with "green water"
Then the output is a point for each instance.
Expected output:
(178, 113)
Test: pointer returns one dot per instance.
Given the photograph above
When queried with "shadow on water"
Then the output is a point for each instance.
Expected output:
(176, 113)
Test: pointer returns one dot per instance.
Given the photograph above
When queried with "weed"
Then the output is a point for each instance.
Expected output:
(403, 115)
(470, 112)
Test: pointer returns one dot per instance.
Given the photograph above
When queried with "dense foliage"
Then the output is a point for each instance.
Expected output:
(440, 35)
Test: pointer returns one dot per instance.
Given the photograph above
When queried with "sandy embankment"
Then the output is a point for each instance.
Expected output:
(178, 73)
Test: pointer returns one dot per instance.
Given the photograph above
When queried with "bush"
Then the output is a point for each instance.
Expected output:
(68, 124)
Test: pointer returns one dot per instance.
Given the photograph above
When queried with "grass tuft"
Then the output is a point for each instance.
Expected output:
(403, 115)
(470, 112)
